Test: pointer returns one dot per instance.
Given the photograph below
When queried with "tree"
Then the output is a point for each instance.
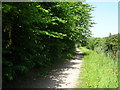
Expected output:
(38, 34)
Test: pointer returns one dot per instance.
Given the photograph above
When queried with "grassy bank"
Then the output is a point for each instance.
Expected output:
(98, 71)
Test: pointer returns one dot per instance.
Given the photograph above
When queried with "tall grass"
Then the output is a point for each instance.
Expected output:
(98, 70)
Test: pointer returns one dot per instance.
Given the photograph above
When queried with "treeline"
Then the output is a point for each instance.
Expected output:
(108, 45)
(38, 34)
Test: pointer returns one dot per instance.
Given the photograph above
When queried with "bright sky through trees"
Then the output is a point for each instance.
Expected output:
(106, 16)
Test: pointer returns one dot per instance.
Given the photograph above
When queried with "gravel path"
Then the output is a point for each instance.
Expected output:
(63, 77)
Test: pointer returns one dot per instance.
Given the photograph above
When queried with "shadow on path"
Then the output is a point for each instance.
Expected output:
(63, 77)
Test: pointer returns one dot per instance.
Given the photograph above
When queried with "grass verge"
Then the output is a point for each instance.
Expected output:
(98, 71)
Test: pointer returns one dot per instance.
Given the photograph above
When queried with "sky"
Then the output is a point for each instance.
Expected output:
(105, 15)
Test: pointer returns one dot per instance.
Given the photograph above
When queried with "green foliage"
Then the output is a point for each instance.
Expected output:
(112, 42)
(38, 34)
(98, 71)
(108, 45)
(92, 42)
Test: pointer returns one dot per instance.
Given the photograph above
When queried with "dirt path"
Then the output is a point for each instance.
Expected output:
(64, 77)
